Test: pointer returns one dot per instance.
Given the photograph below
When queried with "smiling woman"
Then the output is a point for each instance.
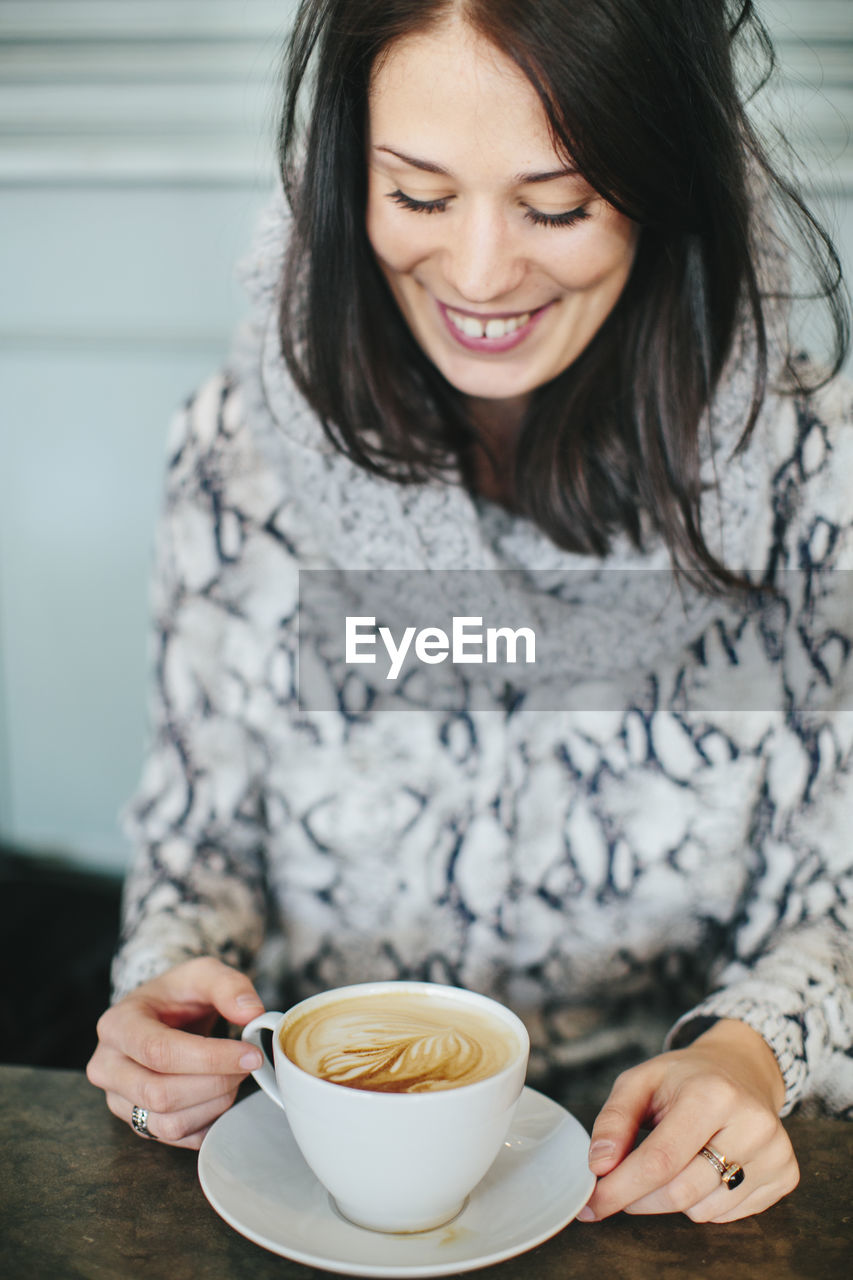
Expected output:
(615, 289)
(533, 253)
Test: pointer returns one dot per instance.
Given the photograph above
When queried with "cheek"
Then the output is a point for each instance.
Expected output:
(396, 245)
(601, 258)
(390, 247)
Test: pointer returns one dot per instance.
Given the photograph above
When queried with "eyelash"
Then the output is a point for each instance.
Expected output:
(538, 218)
(567, 219)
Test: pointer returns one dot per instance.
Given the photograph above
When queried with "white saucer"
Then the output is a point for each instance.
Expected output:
(253, 1174)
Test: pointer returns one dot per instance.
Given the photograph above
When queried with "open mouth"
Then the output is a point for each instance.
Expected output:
(490, 333)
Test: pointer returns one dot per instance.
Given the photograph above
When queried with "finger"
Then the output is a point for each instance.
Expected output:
(140, 1035)
(179, 1128)
(700, 1178)
(194, 1140)
(210, 982)
(176, 1126)
(717, 1207)
(756, 1202)
(699, 1190)
(692, 1186)
(617, 1124)
(200, 985)
(661, 1157)
(774, 1174)
(161, 1093)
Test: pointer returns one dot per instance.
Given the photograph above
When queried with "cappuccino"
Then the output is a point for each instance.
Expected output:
(404, 1042)
(370, 1078)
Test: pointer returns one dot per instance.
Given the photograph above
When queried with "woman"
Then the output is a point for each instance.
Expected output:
(531, 318)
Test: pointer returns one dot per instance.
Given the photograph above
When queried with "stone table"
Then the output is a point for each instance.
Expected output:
(81, 1196)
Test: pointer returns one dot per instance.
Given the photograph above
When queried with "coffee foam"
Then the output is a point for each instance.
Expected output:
(398, 1043)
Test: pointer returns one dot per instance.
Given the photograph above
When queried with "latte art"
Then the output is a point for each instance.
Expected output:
(401, 1058)
(398, 1044)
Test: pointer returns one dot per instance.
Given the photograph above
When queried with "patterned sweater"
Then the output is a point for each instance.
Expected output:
(612, 872)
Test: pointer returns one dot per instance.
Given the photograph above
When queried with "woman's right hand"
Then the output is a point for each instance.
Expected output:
(155, 1051)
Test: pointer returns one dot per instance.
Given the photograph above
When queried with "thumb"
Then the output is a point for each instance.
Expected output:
(223, 988)
(615, 1130)
(236, 998)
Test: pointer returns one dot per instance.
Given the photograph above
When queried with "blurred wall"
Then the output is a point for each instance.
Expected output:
(136, 148)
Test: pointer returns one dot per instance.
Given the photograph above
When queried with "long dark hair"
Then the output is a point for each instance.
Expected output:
(642, 96)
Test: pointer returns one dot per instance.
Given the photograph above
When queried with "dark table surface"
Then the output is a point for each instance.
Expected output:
(82, 1196)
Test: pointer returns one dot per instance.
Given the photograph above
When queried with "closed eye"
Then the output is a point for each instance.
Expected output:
(567, 219)
(536, 216)
(419, 206)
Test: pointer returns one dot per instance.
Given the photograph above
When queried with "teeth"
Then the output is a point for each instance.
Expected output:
(474, 328)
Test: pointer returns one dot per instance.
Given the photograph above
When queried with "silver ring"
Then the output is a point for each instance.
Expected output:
(731, 1173)
(139, 1123)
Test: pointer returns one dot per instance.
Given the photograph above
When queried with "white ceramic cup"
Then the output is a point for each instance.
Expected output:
(397, 1162)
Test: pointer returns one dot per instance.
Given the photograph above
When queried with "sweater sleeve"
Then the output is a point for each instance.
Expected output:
(789, 973)
(791, 979)
(196, 883)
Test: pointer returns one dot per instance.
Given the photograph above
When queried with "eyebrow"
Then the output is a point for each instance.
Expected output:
(520, 179)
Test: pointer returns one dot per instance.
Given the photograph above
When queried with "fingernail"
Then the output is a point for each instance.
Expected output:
(251, 1061)
(586, 1214)
(602, 1149)
(248, 1000)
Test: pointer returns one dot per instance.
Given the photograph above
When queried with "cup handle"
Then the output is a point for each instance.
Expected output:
(265, 1074)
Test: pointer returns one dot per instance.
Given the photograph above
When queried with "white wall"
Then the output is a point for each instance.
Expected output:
(135, 151)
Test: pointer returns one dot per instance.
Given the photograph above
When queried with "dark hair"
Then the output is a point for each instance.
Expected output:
(642, 95)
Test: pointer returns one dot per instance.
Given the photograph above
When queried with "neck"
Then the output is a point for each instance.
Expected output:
(497, 424)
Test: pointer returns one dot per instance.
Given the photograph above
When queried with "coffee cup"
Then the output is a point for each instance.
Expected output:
(398, 1094)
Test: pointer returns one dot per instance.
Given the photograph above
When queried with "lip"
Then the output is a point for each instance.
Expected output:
(491, 346)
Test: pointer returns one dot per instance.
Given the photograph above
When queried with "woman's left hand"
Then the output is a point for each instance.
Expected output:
(722, 1091)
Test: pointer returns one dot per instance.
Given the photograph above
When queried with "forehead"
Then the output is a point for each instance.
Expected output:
(451, 96)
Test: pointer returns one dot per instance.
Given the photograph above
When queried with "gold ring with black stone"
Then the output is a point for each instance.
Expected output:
(731, 1173)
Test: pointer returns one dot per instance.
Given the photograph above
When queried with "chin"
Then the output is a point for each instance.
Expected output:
(486, 381)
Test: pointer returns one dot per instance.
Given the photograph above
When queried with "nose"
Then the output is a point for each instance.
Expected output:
(482, 262)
